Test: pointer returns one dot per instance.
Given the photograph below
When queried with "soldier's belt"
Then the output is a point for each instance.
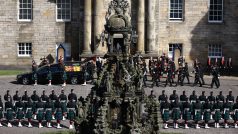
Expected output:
(208, 110)
(35, 101)
(230, 101)
(202, 101)
(8, 109)
(182, 101)
(63, 101)
(24, 101)
(162, 101)
(48, 109)
(221, 101)
(216, 109)
(39, 109)
(164, 110)
(193, 101)
(21, 108)
(74, 100)
(44, 101)
(226, 109)
(172, 100)
(197, 110)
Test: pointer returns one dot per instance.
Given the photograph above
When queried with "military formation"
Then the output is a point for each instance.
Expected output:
(42, 108)
(199, 108)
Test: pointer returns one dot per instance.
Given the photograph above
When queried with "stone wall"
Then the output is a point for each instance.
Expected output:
(194, 32)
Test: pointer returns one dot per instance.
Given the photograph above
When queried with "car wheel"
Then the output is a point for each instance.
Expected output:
(25, 81)
(74, 80)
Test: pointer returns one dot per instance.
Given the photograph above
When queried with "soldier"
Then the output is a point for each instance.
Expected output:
(173, 96)
(227, 108)
(207, 112)
(176, 112)
(229, 66)
(220, 97)
(165, 107)
(40, 112)
(19, 109)
(169, 76)
(217, 107)
(16, 98)
(186, 72)
(201, 73)
(44, 97)
(85, 76)
(71, 108)
(49, 76)
(64, 78)
(208, 64)
(151, 65)
(222, 65)
(53, 98)
(1, 111)
(9, 111)
(29, 111)
(7, 95)
(211, 98)
(180, 61)
(99, 66)
(58, 113)
(230, 98)
(72, 95)
(144, 70)
(63, 101)
(215, 77)
(186, 112)
(180, 76)
(235, 115)
(34, 98)
(155, 76)
(197, 76)
(34, 74)
(193, 97)
(183, 97)
(163, 97)
(25, 97)
(48, 112)
(197, 112)
(202, 98)
(152, 96)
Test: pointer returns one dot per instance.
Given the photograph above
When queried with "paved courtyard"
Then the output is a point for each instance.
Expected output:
(227, 83)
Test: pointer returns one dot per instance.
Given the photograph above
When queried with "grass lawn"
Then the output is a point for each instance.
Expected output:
(10, 72)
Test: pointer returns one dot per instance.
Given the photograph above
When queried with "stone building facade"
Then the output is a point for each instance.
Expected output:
(190, 28)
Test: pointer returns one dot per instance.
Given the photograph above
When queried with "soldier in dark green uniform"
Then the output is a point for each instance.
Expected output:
(44, 97)
(220, 97)
(53, 98)
(197, 112)
(25, 97)
(40, 112)
(34, 98)
(34, 74)
(49, 76)
(183, 97)
(230, 98)
(71, 108)
(235, 115)
(1, 111)
(64, 78)
(163, 97)
(211, 98)
(217, 107)
(48, 112)
(29, 111)
(63, 101)
(207, 112)
(16, 98)
(202, 99)
(173, 97)
(9, 111)
(227, 108)
(72, 95)
(165, 107)
(186, 109)
(176, 112)
(19, 109)
(7, 95)
(58, 113)
(193, 97)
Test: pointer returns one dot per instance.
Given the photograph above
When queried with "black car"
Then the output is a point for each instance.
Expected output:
(57, 71)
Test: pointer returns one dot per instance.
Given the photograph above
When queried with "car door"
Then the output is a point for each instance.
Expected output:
(42, 74)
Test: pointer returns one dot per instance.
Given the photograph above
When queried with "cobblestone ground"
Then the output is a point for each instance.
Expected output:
(227, 83)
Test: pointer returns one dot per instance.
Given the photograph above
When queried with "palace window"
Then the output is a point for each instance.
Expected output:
(214, 51)
(176, 10)
(215, 11)
(63, 13)
(24, 10)
(24, 49)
